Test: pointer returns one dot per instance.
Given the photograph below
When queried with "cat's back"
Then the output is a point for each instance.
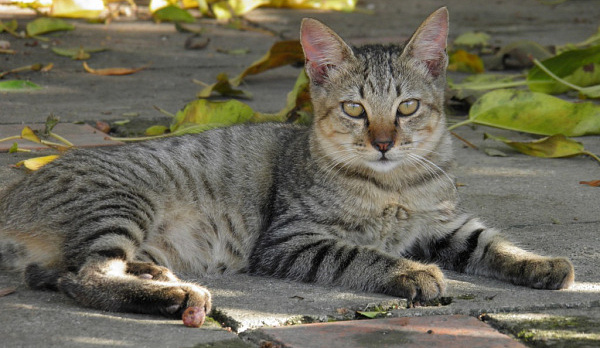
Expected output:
(227, 163)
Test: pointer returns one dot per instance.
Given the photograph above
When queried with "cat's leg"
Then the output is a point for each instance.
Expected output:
(471, 247)
(108, 284)
(293, 253)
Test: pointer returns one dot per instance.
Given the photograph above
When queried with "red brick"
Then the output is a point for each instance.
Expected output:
(443, 331)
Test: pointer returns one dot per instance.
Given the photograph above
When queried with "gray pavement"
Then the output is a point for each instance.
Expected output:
(539, 203)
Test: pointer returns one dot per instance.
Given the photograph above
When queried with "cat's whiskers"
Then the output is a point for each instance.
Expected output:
(430, 167)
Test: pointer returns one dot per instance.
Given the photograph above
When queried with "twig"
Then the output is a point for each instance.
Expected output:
(469, 144)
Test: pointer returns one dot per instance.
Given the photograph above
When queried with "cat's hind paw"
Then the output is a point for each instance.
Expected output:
(148, 270)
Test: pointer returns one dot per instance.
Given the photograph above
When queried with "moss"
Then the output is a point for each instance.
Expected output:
(542, 330)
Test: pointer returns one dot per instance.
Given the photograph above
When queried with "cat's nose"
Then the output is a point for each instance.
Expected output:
(383, 145)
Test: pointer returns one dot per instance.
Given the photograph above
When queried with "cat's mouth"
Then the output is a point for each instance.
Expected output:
(383, 164)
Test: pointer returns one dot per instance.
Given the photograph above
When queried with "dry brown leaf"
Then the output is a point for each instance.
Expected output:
(112, 71)
(593, 183)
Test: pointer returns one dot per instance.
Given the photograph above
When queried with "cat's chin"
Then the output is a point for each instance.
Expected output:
(382, 165)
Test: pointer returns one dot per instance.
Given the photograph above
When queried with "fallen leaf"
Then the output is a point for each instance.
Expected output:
(224, 88)
(280, 54)
(517, 55)
(196, 42)
(226, 9)
(44, 25)
(464, 61)
(37, 162)
(535, 113)
(298, 108)
(471, 39)
(102, 126)
(594, 183)
(112, 71)
(77, 9)
(9, 27)
(172, 14)
(587, 75)
(203, 114)
(370, 314)
(494, 152)
(570, 66)
(156, 130)
(17, 86)
(234, 52)
(555, 146)
(78, 53)
(28, 134)
(14, 148)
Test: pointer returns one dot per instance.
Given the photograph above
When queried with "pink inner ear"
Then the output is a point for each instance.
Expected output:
(429, 43)
(321, 49)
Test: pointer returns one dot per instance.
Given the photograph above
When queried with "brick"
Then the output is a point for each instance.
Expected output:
(442, 331)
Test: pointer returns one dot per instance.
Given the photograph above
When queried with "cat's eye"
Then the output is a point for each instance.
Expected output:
(353, 109)
(408, 107)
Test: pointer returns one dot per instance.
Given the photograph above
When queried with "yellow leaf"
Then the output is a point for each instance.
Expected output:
(77, 8)
(464, 61)
(28, 134)
(112, 71)
(37, 162)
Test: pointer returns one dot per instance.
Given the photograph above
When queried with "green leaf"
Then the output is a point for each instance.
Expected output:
(156, 130)
(579, 67)
(535, 113)
(14, 148)
(45, 25)
(9, 26)
(555, 146)
(204, 114)
(583, 75)
(472, 39)
(371, 314)
(17, 86)
(173, 14)
(298, 108)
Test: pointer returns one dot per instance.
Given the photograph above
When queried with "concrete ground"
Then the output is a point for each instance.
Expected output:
(539, 203)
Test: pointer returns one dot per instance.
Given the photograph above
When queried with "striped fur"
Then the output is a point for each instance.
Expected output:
(360, 202)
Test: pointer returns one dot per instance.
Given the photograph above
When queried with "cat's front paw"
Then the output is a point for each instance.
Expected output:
(183, 296)
(546, 273)
(417, 283)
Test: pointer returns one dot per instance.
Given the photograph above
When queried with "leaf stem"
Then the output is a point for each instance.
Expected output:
(163, 111)
(552, 75)
(592, 155)
(14, 137)
(61, 139)
(459, 124)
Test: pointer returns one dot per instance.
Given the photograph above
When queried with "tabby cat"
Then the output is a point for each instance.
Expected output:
(362, 199)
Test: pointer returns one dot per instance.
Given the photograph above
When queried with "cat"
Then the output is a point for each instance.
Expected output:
(361, 199)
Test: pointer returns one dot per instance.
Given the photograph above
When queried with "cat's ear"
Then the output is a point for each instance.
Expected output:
(323, 49)
(428, 43)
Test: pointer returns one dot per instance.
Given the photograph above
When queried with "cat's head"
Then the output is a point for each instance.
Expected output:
(378, 108)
